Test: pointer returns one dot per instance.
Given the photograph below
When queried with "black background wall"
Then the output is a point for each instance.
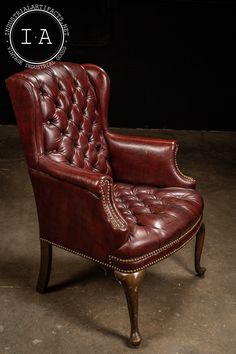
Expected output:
(172, 64)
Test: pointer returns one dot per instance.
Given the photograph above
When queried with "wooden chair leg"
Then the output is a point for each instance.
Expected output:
(131, 283)
(45, 266)
(198, 251)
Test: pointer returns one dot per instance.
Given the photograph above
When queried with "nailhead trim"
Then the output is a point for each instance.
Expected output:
(190, 179)
(156, 261)
(159, 250)
(72, 251)
(115, 219)
(114, 267)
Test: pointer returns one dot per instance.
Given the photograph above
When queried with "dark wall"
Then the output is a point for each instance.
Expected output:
(171, 63)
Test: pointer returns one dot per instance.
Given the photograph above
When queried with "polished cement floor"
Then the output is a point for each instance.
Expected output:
(85, 309)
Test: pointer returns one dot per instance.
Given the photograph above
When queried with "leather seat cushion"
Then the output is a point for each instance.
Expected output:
(155, 216)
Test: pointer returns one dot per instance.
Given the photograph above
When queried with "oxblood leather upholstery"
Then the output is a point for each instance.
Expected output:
(157, 222)
(118, 200)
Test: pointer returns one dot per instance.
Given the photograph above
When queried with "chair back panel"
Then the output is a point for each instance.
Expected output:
(67, 116)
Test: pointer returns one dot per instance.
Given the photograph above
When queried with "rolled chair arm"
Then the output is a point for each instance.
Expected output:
(141, 160)
(85, 179)
(96, 183)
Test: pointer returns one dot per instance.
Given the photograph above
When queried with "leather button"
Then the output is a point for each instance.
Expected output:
(48, 122)
(54, 151)
(60, 87)
(43, 92)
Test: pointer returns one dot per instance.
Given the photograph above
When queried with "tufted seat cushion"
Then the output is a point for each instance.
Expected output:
(156, 217)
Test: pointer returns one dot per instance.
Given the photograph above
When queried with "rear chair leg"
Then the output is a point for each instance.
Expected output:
(198, 251)
(45, 266)
(131, 283)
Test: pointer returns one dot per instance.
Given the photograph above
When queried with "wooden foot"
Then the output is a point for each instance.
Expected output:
(198, 251)
(131, 283)
(45, 266)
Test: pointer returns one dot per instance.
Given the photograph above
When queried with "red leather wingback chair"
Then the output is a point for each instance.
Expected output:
(118, 200)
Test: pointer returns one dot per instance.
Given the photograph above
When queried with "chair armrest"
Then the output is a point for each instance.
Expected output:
(69, 204)
(141, 160)
(96, 183)
(85, 179)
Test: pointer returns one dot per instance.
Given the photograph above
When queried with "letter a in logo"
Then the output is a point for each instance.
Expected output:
(44, 36)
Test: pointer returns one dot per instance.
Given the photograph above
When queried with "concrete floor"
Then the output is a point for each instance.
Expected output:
(85, 311)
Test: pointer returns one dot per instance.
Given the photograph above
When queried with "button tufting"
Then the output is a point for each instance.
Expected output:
(146, 207)
(60, 87)
(43, 92)
(73, 116)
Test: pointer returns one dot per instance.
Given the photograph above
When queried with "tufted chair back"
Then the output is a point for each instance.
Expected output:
(68, 116)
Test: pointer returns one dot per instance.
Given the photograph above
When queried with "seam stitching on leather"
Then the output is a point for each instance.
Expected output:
(159, 250)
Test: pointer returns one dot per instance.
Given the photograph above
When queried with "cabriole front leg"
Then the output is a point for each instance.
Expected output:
(45, 266)
(200, 237)
(131, 283)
